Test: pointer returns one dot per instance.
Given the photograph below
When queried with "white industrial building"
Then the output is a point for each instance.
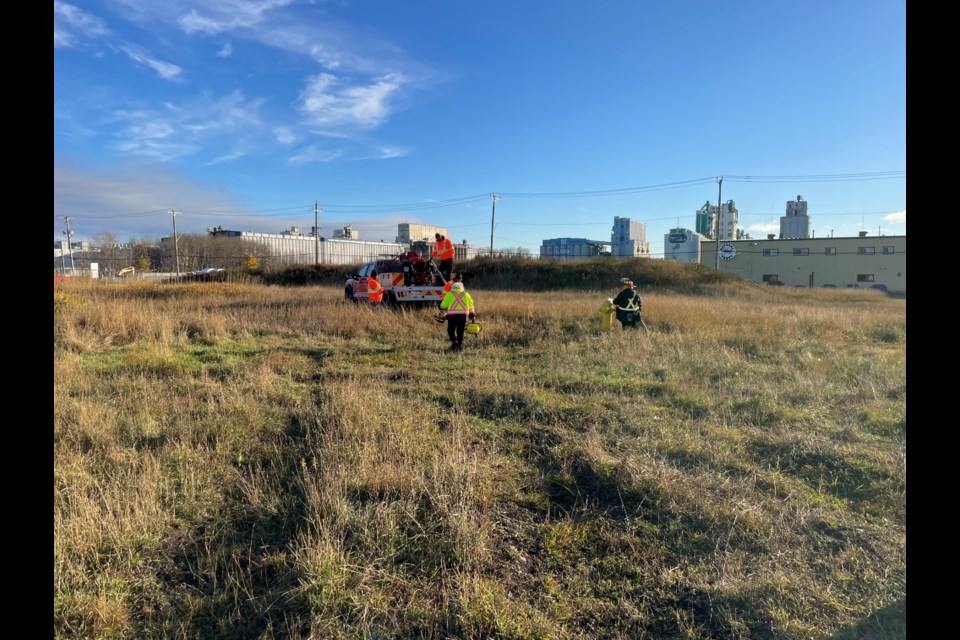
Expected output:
(409, 232)
(707, 220)
(682, 245)
(796, 224)
(629, 238)
(294, 247)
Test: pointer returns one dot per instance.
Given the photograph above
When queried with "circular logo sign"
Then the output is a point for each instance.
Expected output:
(727, 251)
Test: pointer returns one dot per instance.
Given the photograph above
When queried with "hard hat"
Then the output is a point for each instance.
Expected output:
(441, 315)
(456, 286)
(474, 328)
(626, 282)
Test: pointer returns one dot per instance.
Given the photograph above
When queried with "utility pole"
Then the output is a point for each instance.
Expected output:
(719, 206)
(176, 244)
(493, 214)
(316, 233)
(69, 234)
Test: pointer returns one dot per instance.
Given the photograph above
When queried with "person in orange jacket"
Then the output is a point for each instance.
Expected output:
(443, 249)
(374, 289)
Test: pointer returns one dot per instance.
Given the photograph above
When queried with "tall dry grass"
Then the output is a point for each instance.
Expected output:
(240, 460)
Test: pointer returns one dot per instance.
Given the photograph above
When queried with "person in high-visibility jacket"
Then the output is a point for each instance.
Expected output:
(374, 289)
(459, 307)
(443, 249)
(628, 306)
(457, 277)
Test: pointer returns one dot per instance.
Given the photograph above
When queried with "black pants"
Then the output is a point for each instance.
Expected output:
(456, 323)
(633, 321)
(446, 269)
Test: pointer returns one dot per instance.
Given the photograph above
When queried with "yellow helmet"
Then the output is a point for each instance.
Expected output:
(474, 328)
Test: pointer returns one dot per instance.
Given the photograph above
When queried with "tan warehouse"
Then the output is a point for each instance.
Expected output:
(854, 262)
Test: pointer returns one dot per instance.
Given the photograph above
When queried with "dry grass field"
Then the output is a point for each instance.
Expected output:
(239, 460)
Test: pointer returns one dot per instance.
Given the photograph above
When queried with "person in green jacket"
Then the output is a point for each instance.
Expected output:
(459, 308)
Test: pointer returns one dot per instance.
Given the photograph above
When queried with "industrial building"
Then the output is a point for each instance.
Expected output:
(707, 218)
(295, 247)
(682, 245)
(409, 232)
(573, 248)
(629, 238)
(796, 223)
(848, 262)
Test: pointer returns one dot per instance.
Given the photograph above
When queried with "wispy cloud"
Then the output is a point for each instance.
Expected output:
(166, 70)
(314, 153)
(393, 152)
(373, 79)
(770, 227)
(233, 154)
(896, 218)
(226, 15)
(69, 22)
(180, 130)
(284, 135)
(325, 103)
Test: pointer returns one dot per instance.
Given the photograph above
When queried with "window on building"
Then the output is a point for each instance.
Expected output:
(888, 250)
(864, 277)
(830, 251)
(771, 252)
(798, 251)
(866, 251)
(771, 278)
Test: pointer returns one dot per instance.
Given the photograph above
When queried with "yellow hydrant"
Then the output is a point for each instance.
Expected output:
(607, 309)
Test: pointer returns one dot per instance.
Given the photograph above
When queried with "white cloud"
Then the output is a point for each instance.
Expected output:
(69, 21)
(326, 104)
(166, 70)
(232, 155)
(181, 130)
(393, 152)
(284, 135)
(770, 227)
(896, 218)
(313, 153)
(226, 15)
(226, 51)
(232, 112)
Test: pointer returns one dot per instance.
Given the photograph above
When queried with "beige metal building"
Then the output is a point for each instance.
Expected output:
(850, 262)
(293, 247)
(410, 232)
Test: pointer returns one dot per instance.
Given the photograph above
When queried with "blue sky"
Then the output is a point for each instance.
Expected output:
(245, 114)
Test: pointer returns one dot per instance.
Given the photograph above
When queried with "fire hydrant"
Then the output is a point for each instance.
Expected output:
(607, 309)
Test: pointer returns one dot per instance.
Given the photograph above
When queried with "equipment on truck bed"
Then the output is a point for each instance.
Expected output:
(407, 279)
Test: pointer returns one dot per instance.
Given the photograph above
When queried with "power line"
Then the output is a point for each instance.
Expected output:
(357, 209)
